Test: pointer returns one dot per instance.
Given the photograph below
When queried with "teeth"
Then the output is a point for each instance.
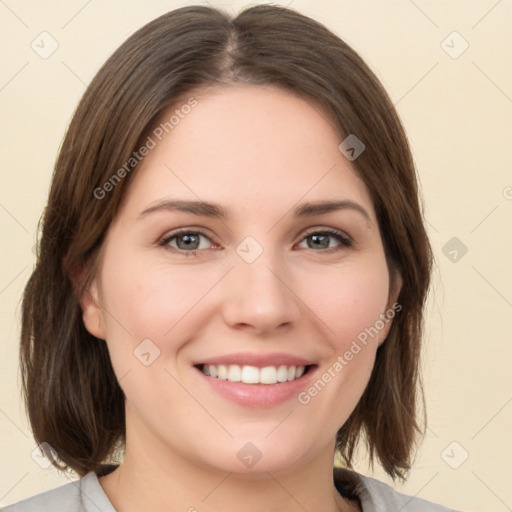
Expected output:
(222, 371)
(250, 374)
(268, 375)
(253, 374)
(234, 373)
(282, 374)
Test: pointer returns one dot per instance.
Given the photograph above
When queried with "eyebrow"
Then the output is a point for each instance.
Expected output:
(202, 208)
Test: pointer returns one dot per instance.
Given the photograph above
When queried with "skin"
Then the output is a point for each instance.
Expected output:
(259, 152)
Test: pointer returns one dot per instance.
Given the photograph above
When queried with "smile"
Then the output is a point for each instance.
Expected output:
(252, 374)
(256, 380)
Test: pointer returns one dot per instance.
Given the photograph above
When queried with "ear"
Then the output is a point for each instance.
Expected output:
(92, 313)
(393, 307)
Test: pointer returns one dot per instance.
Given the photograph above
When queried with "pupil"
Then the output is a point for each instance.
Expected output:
(188, 240)
(316, 239)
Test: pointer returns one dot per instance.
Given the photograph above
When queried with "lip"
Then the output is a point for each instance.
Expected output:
(258, 395)
(257, 360)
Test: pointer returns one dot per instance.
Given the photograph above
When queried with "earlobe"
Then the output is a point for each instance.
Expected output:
(92, 314)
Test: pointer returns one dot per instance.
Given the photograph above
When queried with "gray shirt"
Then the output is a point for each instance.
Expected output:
(87, 495)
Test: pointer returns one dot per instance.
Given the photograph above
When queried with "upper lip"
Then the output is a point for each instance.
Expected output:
(258, 360)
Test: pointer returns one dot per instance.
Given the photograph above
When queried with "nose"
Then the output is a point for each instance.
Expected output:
(259, 296)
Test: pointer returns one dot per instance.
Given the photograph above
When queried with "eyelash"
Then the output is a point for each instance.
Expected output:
(345, 241)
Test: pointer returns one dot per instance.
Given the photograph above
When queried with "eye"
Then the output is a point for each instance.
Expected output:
(321, 239)
(186, 241)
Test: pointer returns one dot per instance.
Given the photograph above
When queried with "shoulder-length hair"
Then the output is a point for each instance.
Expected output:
(74, 401)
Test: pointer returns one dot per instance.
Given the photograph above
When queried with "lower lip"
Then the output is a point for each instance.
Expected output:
(258, 395)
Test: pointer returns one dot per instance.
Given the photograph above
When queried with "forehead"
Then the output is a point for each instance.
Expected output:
(249, 146)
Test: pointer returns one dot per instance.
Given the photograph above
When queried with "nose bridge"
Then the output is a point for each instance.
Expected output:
(259, 289)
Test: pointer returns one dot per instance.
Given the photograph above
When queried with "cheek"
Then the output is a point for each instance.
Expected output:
(349, 309)
(147, 300)
(150, 299)
(348, 301)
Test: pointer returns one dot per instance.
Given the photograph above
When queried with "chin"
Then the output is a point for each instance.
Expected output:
(256, 458)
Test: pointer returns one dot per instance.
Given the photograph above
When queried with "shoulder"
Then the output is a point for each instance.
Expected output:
(65, 498)
(377, 496)
(82, 495)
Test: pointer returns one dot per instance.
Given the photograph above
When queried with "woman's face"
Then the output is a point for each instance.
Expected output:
(261, 284)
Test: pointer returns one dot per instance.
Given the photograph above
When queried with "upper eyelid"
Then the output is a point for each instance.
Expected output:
(329, 231)
(182, 231)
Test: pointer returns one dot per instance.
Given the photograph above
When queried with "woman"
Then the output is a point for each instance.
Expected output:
(231, 277)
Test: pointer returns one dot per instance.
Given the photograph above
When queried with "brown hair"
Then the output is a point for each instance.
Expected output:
(74, 401)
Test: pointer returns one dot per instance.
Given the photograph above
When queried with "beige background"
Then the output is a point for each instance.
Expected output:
(457, 112)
